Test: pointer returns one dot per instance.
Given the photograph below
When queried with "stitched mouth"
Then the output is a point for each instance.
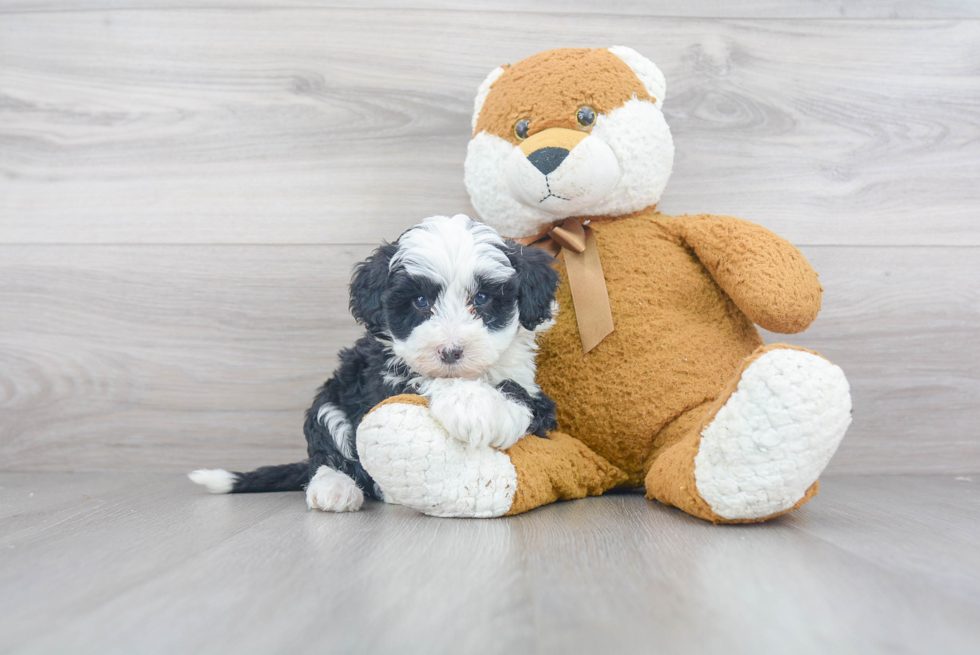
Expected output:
(550, 193)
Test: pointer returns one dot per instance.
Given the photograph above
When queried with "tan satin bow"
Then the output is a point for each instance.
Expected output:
(588, 286)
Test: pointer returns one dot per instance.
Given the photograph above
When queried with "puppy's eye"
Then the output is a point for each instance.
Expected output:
(520, 128)
(420, 302)
(480, 299)
(585, 116)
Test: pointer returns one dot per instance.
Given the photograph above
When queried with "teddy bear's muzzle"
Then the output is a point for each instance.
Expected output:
(562, 171)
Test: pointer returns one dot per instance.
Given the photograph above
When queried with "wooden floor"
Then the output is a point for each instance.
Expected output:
(135, 563)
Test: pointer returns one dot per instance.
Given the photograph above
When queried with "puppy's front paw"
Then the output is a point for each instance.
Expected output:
(332, 491)
(476, 414)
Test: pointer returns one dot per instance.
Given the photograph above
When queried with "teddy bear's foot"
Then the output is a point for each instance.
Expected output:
(759, 454)
(773, 437)
(416, 464)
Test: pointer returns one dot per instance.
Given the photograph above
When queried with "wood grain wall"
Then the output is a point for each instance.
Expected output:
(183, 191)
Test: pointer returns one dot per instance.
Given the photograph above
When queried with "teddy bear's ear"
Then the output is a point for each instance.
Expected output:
(651, 77)
(367, 284)
(484, 91)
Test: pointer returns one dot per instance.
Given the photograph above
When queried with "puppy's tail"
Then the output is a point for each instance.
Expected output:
(285, 477)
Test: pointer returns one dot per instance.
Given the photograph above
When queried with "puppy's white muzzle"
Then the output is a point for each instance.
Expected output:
(562, 181)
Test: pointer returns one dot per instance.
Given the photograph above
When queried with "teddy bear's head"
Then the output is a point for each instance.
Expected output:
(569, 132)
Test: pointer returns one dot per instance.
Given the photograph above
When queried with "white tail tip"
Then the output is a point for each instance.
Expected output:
(217, 481)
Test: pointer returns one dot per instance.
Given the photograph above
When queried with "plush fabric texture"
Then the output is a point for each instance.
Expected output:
(653, 79)
(416, 463)
(558, 468)
(812, 424)
(631, 146)
(773, 435)
(679, 338)
(484, 91)
(574, 70)
(682, 291)
(401, 399)
(765, 275)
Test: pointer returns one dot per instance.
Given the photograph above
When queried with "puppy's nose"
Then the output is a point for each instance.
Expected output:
(547, 159)
(450, 355)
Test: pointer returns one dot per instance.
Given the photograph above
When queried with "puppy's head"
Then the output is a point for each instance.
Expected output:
(451, 295)
(569, 132)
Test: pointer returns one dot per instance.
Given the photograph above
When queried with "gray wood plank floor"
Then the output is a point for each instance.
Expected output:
(128, 562)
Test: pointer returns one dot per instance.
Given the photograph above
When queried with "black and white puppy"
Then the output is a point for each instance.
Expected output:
(451, 312)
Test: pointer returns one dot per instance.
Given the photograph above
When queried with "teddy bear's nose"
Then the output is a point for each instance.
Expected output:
(547, 159)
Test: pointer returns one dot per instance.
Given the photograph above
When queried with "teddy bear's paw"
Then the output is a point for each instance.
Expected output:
(774, 436)
(416, 463)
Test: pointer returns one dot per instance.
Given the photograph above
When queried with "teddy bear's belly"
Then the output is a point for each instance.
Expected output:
(678, 340)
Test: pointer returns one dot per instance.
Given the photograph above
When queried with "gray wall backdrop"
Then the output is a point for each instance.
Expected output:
(184, 188)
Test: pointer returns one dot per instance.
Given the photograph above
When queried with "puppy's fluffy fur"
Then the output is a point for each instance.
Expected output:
(451, 311)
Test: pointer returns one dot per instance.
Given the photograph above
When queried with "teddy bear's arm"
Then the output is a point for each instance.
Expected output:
(767, 277)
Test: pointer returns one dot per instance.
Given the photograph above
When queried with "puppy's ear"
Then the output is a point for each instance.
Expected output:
(536, 280)
(367, 284)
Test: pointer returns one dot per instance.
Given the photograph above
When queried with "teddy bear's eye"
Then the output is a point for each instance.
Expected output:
(520, 128)
(585, 116)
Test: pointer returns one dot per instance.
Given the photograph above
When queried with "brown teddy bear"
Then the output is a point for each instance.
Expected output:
(659, 374)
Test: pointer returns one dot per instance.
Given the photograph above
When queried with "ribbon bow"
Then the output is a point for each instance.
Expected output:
(589, 294)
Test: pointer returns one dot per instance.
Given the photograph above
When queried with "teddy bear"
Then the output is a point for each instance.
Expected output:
(660, 377)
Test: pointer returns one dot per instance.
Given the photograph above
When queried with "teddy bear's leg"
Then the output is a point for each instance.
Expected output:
(756, 451)
(417, 464)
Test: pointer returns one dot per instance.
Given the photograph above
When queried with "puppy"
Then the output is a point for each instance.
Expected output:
(451, 312)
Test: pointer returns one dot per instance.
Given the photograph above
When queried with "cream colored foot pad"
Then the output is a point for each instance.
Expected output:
(418, 465)
(774, 435)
